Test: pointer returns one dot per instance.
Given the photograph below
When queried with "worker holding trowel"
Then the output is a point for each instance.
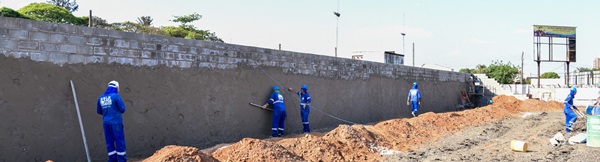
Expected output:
(278, 113)
(414, 98)
(570, 115)
(111, 106)
(304, 107)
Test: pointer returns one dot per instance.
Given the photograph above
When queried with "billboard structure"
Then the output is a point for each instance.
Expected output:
(554, 38)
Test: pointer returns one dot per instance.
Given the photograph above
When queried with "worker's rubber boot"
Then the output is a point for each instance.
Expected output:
(306, 128)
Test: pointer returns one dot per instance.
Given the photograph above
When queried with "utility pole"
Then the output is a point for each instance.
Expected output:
(90, 20)
(413, 55)
(522, 58)
(337, 14)
(403, 51)
(280, 46)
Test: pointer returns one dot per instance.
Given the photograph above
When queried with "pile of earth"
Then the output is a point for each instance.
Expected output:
(361, 142)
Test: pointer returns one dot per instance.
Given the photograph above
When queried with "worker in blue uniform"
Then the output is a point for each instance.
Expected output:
(111, 106)
(570, 116)
(277, 127)
(304, 107)
(414, 98)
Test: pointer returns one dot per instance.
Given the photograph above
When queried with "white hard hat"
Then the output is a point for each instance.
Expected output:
(113, 83)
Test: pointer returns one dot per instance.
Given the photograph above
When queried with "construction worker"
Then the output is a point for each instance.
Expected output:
(414, 98)
(111, 106)
(570, 116)
(278, 113)
(304, 107)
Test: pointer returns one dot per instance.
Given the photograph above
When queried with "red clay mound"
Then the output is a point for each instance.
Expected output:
(355, 142)
(367, 143)
(312, 148)
(174, 153)
(249, 149)
(537, 105)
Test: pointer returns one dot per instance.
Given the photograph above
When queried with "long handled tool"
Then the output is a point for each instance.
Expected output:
(87, 153)
(264, 107)
(576, 110)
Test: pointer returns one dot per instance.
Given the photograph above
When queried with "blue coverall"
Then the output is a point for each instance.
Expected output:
(415, 95)
(278, 113)
(111, 107)
(305, 107)
(570, 116)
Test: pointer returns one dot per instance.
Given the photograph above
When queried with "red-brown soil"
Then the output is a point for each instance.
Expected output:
(363, 142)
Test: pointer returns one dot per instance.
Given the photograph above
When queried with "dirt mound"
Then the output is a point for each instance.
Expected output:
(355, 142)
(370, 142)
(537, 105)
(174, 153)
(249, 149)
(312, 148)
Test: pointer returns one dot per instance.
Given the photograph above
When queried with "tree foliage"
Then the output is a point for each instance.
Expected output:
(144, 20)
(187, 18)
(67, 4)
(8, 12)
(549, 75)
(479, 69)
(584, 69)
(50, 13)
(464, 70)
(502, 72)
(185, 30)
(96, 21)
(175, 31)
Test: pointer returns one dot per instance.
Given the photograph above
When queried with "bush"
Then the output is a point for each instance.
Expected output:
(50, 13)
(8, 12)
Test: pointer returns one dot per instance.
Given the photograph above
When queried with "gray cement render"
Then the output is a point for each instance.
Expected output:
(181, 91)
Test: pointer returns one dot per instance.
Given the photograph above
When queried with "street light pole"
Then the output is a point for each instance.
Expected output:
(403, 34)
(337, 14)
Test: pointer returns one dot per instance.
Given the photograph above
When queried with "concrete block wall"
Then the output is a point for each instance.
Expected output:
(67, 44)
(181, 91)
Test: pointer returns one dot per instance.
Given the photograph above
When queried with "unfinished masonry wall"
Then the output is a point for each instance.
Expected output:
(180, 91)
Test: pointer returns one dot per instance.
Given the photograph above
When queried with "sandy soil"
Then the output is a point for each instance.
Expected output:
(476, 134)
(491, 142)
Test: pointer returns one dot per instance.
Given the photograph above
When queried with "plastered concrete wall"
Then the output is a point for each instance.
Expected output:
(180, 91)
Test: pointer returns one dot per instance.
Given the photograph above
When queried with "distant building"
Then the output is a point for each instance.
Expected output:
(391, 57)
(597, 62)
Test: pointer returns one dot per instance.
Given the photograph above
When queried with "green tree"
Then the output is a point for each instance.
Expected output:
(502, 72)
(175, 31)
(584, 69)
(8, 12)
(191, 32)
(549, 75)
(187, 18)
(96, 21)
(50, 13)
(479, 69)
(127, 26)
(464, 70)
(67, 4)
(144, 20)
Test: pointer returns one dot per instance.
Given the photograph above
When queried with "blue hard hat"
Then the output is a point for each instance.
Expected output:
(415, 83)
(276, 88)
(305, 87)
(574, 89)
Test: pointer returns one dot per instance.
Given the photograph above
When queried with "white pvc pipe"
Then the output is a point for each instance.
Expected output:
(87, 153)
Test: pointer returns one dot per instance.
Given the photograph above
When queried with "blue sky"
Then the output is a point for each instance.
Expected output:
(457, 34)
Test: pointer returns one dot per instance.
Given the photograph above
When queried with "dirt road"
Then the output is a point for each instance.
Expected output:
(491, 141)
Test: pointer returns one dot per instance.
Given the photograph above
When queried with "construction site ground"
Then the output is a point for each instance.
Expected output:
(481, 134)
